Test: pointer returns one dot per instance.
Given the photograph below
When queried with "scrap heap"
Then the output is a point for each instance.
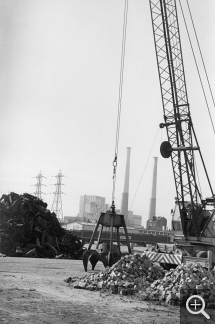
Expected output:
(136, 274)
(28, 228)
(124, 276)
(180, 283)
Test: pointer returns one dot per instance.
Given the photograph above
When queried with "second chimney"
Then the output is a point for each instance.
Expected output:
(152, 208)
(124, 202)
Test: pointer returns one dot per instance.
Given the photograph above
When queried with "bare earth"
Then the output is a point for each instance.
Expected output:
(33, 291)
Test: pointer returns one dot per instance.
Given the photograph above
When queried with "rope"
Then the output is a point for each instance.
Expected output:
(197, 68)
(120, 97)
(144, 168)
(201, 54)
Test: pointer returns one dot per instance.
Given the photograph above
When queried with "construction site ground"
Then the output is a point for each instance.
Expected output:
(33, 291)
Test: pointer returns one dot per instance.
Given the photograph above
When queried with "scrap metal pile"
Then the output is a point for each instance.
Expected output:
(136, 274)
(29, 229)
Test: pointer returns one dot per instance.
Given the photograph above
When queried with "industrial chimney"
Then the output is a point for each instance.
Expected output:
(152, 208)
(124, 202)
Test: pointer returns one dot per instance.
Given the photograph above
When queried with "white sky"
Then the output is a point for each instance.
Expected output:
(59, 80)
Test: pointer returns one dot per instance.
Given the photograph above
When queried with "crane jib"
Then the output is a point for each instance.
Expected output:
(177, 118)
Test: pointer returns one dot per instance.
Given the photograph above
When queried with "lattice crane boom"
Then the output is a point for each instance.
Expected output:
(177, 119)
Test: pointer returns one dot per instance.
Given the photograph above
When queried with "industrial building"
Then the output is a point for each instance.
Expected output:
(70, 219)
(157, 223)
(90, 207)
(141, 236)
(134, 220)
(131, 219)
(83, 226)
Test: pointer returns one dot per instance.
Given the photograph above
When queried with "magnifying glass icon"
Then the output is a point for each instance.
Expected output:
(197, 301)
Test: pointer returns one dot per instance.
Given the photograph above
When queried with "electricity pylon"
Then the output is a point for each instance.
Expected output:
(57, 202)
(38, 185)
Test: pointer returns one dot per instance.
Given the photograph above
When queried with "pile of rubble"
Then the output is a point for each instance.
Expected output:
(180, 283)
(28, 228)
(136, 274)
(125, 276)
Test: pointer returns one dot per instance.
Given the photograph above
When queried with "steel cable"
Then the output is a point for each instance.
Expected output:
(201, 54)
(120, 97)
(197, 68)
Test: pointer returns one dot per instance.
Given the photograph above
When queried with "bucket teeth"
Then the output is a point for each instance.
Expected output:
(93, 257)
(85, 259)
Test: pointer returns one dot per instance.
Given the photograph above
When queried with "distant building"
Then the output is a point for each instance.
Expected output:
(79, 226)
(90, 207)
(136, 221)
(132, 219)
(70, 219)
(85, 226)
(157, 223)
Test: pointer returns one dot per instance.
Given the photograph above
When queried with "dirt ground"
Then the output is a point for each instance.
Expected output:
(33, 291)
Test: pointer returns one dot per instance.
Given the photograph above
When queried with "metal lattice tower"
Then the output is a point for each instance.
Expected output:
(38, 185)
(57, 202)
(177, 119)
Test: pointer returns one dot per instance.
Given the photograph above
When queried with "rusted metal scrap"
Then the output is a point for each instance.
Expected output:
(29, 229)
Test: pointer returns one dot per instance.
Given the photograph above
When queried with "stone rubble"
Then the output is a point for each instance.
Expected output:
(180, 283)
(125, 276)
(136, 274)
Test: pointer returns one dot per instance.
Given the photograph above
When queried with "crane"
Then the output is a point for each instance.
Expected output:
(196, 214)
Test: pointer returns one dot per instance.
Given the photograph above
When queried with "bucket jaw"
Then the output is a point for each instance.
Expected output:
(93, 256)
(105, 252)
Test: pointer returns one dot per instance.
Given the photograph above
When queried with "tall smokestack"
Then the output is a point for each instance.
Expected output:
(124, 203)
(152, 208)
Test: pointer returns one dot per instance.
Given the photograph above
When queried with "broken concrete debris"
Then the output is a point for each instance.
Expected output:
(136, 274)
(29, 229)
(180, 283)
(124, 276)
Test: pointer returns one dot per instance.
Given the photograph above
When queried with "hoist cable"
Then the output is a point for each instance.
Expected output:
(120, 96)
(144, 168)
(201, 54)
(197, 67)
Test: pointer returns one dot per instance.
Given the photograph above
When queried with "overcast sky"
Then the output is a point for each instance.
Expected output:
(59, 83)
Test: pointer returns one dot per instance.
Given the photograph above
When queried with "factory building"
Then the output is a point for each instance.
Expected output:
(157, 223)
(132, 219)
(83, 226)
(135, 220)
(70, 219)
(90, 207)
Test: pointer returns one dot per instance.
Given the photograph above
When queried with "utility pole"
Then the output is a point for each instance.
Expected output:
(57, 202)
(38, 185)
